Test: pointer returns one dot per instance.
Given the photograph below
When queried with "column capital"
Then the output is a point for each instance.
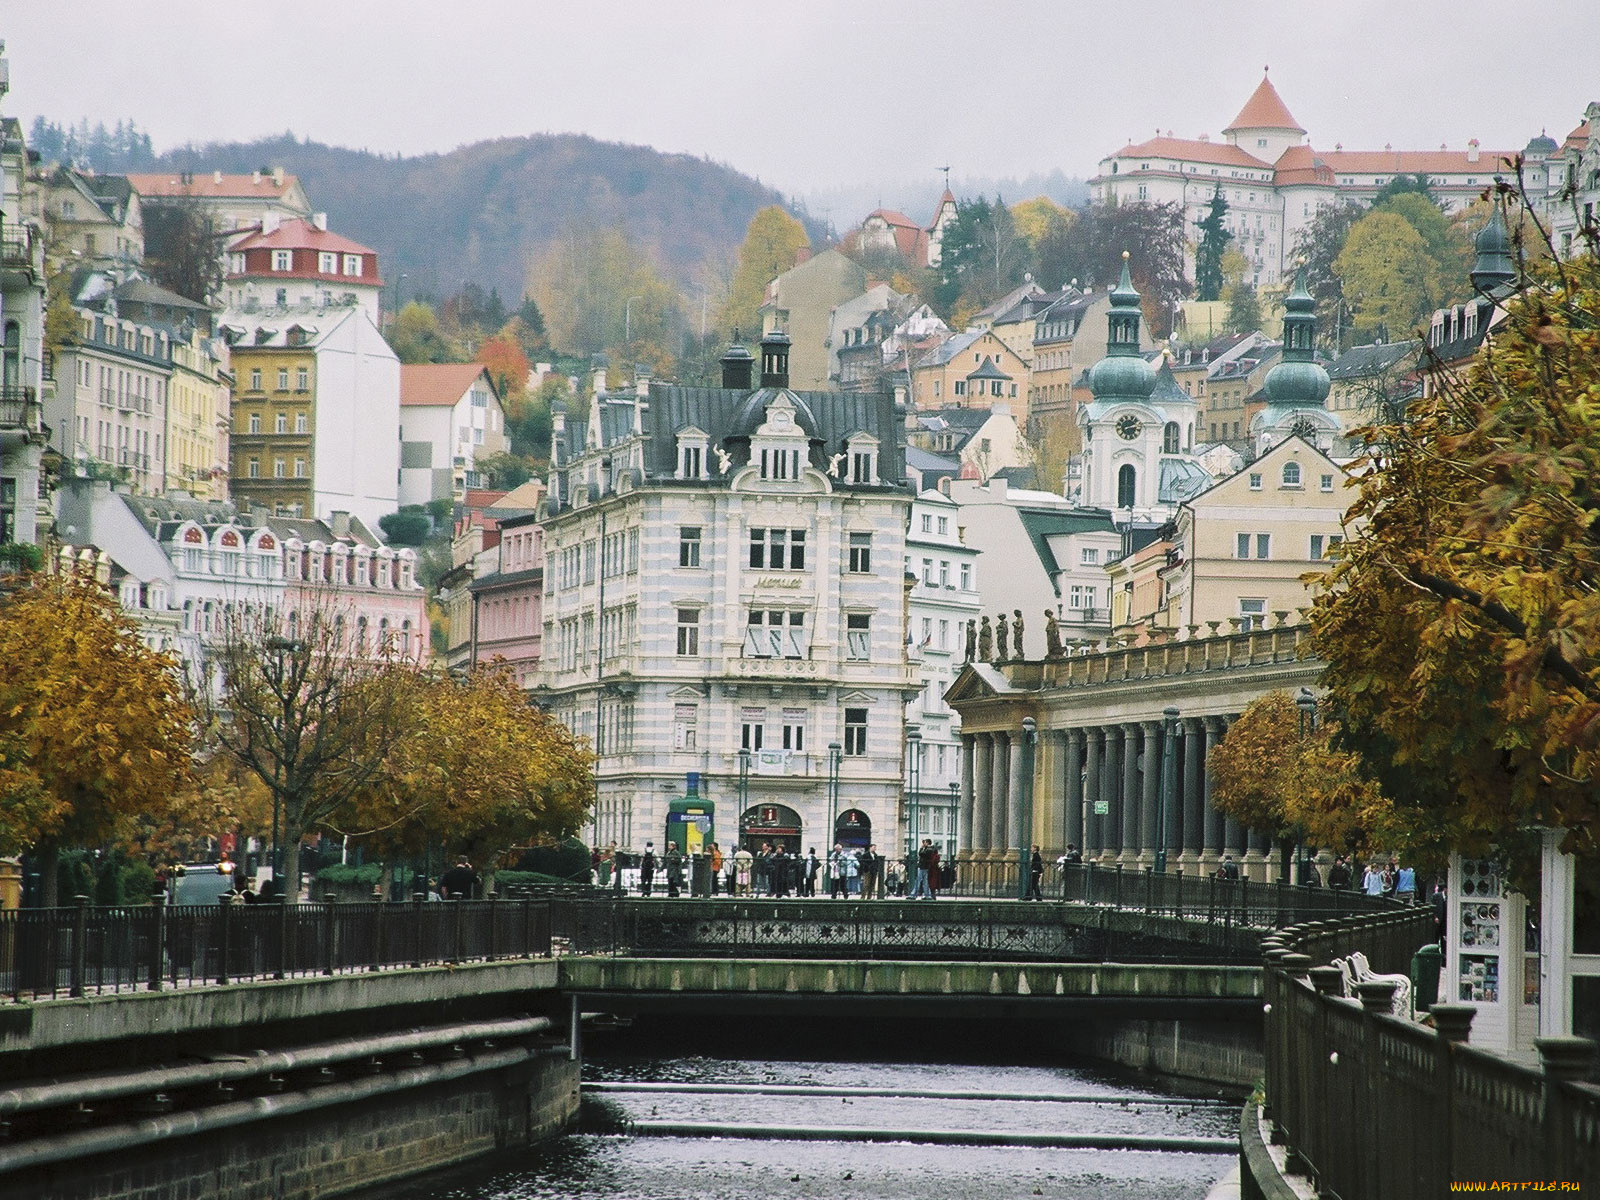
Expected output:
(1151, 727)
(1216, 725)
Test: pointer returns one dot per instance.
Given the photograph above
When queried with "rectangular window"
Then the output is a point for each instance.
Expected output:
(283, 260)
(255, 422)
(966, 577)
(855, 731)
(1326, 483)
(778, 549)
(944, 572)
(688, 545)
(299, 468)
(1262, 542)
(1252, 614)
(692, 458)
(1255, 482)
(1090, 556)
(299, 422)
(858, 636)
(352, 264)
(302, 379)
(685, 717)
(944, 525)
(927, 571)
(328, 263)
(927, 523)
(752, 725)
(1263, 545)
(794, 729)
(1320, 545)
(253, 468)
(255, 379)
(588, 561)
(279, 468)
(283, 423)
(688, 633)
(775, 633)
(860, 553)
(283, 379)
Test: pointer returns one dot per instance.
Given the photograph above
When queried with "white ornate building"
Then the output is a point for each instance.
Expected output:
(724, 602)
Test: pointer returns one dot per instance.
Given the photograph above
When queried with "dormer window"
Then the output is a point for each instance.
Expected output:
(779, 463)
(862, 450)
(778, 448)
(693, 452)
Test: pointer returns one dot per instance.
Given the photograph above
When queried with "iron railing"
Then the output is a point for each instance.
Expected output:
(79, 951)
(1375, 1105)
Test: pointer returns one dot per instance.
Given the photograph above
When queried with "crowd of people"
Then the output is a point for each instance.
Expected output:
(845, 872)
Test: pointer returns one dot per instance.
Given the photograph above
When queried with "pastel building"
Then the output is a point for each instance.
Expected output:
(451, 417)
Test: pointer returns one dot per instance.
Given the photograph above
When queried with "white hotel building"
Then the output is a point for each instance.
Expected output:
(724, 573)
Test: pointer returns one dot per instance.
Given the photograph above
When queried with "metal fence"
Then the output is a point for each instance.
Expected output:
(84, 950)
(1375, 1105)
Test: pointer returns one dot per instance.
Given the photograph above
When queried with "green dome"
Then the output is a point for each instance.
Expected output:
(1122, 377)
(1297, 384)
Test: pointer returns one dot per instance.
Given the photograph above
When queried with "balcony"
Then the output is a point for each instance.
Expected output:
(22, 251)
(20, 409)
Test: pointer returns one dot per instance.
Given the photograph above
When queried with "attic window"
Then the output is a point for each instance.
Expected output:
(692, 447)
(863, 452)
(779, 463)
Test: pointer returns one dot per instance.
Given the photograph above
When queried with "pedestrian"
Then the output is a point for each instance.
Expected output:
(460, 882)
(647, 868)
(1229, 869)
(872, 874)
(894, 876)
(744, 869)
(1405, 885)
(922, 889)
(716, 866)
(1372, 881)
(813, 867)
(674, 863)
(1441, 913)
(836, 883)
(780, 872)
(1035, 875)
(936, 873)
(1339, 874)
(764, 870)
(852, 872)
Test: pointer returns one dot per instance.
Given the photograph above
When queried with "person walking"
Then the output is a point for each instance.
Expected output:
(780, 872)
(674, 860)
(872, 874)
(1035, 876)
(809, 872)
(836, 879)
(744, 867)
(921, 889)
(1339, 874)
(647, 868)
(716, 866)
(1372, 881)
(460, 882)
(1405, 885)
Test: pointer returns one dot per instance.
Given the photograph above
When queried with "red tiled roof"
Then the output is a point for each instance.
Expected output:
(1434, 162)
(208, 185)
(436, 384)
(910, 239)
(1264, 110)
(1578, 139)
(298, 234)
(1192, 150)
(1301, 164)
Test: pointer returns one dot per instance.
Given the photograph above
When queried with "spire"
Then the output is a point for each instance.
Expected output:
(1122, 374)
(1264, 110)
(1298, 380)
(1494, 267)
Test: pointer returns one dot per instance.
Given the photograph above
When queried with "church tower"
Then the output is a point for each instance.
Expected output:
(1298, 385)
(1122, 431)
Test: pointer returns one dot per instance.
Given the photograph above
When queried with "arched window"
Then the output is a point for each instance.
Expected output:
(1169, 438)
(1291, 474)
(1127, 485)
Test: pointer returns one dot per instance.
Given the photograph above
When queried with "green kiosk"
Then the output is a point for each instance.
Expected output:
(690, 823)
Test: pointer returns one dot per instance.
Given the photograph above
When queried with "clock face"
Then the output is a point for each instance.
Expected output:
(1128, 427)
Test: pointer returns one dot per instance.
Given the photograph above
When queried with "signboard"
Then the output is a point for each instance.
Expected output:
(1102, 808)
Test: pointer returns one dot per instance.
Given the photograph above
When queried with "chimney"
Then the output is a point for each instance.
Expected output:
(255, 177)
(277, 176)
(775, 359)
(599, 381)
(641, 379)
(216, 177)
(320, 221)
(1472, 150)
(736, 366)
(270, 223)
(339, 522)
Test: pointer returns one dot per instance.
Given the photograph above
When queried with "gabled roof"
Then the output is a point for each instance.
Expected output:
(438, 384)
(1264, 110)
(988, 369)
(299, 234)
(1358, 362)
(950, 347)
(1025, 291)
(1302, 165)
(210, 186)
(1409, 162)
(1193, 150)
(1041, 524)
(142, 291)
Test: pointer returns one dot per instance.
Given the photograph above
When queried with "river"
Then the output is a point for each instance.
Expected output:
(653, 1128)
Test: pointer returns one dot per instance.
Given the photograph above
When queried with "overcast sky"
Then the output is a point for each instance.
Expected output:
(812, 93)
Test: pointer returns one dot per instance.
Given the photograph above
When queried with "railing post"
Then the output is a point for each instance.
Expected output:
(158, 940)
(1211, 900)
(224, 939)
(1176, 887)
(1117, 902)
(1149, 890)
(527, 926)
(378, 931)
(285, 936)
(493, 917)
(457, 929)
(417, 904)
(1088, 882)
(80, 947)
(328, 933)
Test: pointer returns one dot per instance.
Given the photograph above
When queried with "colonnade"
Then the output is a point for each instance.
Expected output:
(1100, 788)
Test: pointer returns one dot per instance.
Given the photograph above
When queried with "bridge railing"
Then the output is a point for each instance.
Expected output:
(83, 950)
(1372, 1104)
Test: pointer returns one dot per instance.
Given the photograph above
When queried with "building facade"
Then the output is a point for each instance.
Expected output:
(298, 264)
(111, 398)
(233, 202)
(725, 610)
(451, 417)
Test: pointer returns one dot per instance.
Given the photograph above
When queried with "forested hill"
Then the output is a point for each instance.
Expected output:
(479, 213)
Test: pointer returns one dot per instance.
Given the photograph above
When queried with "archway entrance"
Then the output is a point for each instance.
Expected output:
(775, 824)
(853, 829)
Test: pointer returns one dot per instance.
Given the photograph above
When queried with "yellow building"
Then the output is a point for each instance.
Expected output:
(274, 420)
(199, 397)
(972, 370)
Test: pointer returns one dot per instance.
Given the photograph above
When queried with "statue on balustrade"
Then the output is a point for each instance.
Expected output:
(1052, 636)
(972, 641)
(985, 642)
(1016, 634)
(1002, 632)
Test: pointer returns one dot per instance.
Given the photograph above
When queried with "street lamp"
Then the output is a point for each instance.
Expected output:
(1307, 704)
(834, 752)
(1025, 817)
(913, 780)
(955, 816)
(1169, 782)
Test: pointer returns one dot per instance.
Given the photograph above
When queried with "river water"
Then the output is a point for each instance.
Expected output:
(631, 1143)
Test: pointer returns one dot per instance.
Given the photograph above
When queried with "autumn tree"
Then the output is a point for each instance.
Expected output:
(1386, 275)
(94, 730)
(481, 771)
(1460, 627)
(313, 712)
(771, 243)
(982, 256)
(1047, 230)
(600, 293)
(1154, 237)
(1213, 243)
(1316, 247)
(508, 367)
(182, 248)
(415, 336)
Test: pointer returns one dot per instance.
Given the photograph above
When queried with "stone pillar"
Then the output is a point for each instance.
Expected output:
(1150, 794)
(1193, 797)
(1172, 838)
(1130, 793)
(1258, 858)
(982, 794)
(1211, 856)
(1094, 826)
(968, 784)
(1016, 833)
(1074, 790)
(1108, 791)
(1000, 797)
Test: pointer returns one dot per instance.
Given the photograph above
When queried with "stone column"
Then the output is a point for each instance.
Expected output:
(1130, 793)
(982, 794)
(1108, 792)
(1150, 794)
(1074, 790)
(1016, 832)
(1193, 797)
(1173, 836)
(968, 796)
(1094, 831)
(1258, 858)
(1211, 856)
(1000, 797)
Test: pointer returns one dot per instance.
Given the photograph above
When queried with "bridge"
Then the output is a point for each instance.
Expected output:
(281, 1050)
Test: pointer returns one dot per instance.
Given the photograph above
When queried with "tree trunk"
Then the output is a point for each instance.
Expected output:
(48, 856)
(1286, 848)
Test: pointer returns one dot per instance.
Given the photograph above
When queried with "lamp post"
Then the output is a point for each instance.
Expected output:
(913, 780)
(1307, 704)
(1169, 781)
(834, 752)
(955, 816)
(1030, 736)
(278, 647)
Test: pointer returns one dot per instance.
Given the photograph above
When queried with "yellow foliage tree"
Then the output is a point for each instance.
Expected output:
(770, 244)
